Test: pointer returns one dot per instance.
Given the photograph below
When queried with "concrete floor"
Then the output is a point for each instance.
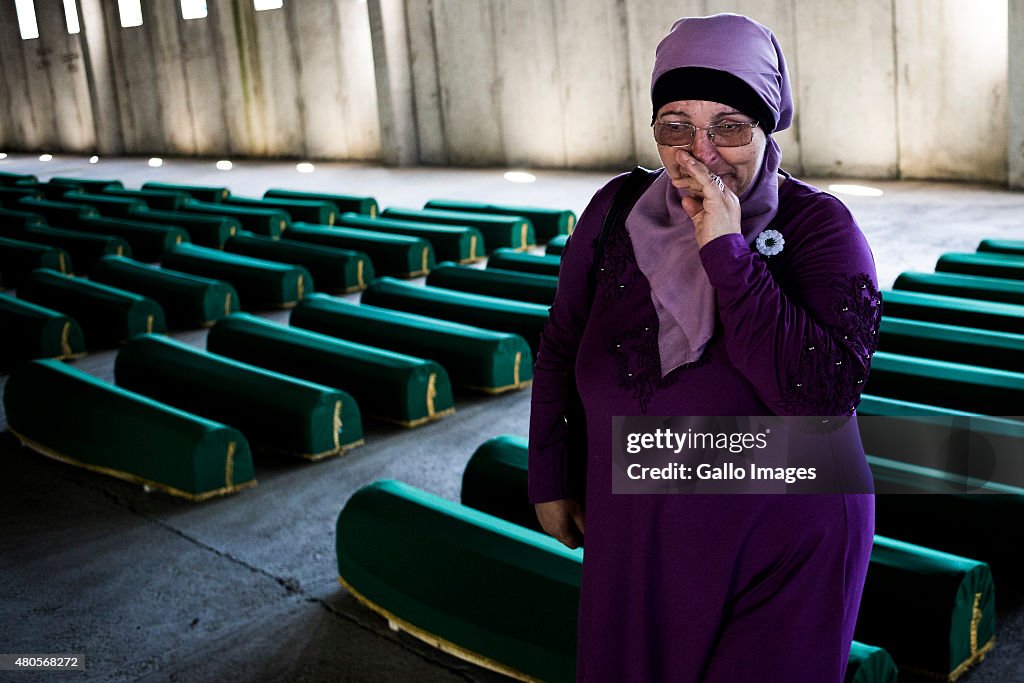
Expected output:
(150, 588)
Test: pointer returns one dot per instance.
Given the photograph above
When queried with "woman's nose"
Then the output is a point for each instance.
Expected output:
(703, 148)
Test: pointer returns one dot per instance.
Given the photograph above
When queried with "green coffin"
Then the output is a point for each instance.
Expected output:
(107, 205)
(966, 286)
(493, 362)
(261, 284)
(556, 246)
(57, 213)
(85, 248)
(952, 385)
(149, 241)
(391, 386)
(970, 345)
(499, 231)
(508, 284)
(548, 223)
(55, 191)
(272, 410)
(12, 195)
(11, 219)
(869, 664)
(189, 301)
(19, 258)
(934, 612)
(343, 202)
(300, 210)
(484, 589)
(108, 315)
(1009, 247)
(983, 264)
(162, 200)
(930, 610)
(334, 270)
(397, 255)
(206, 231)
(451, 243)
(89, 184)
(15, 178)
(74, 417)
(32, 331)
(510, 259)
(951, 310)
(268, 222)
(203, 193)
(489, 312)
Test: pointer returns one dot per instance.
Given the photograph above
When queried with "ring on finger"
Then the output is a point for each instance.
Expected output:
(718, 181)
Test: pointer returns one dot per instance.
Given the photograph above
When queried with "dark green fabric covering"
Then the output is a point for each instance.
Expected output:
(268, 222)
(55, 191)
(206, 231)
(951, 310)
(508, 284)
(1009, 247)
(12, 195)
(89, 184)
(19, 258)
(161, 200)
(343, 202)
(970, 345)
(495, 589)
(203, 193)
(57, 213)
(334, 270)
(491, 313)
(31, 331)
(934, 612)
(85, 248)
(397, 255)
(16, 219)
(149, 241)
(108, 315)
(869, 664)
(274, 411)
(983, 264)
(499, 231)
(387, 385)
(918, 603)
(461, 244)
(300, 210)
(15, 178)
(75, 417)
(556, 246)
(953, 385)
(476, 358)
(966, 286)
(547, 223)
(261, 284)
(189, 301)
(510, 259)
(107, 205)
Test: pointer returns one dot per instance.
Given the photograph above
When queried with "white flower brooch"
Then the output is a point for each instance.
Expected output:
(770, 242)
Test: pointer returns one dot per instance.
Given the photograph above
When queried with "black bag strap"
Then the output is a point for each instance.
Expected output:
(626, 196)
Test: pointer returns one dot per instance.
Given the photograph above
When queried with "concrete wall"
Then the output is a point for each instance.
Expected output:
(884, 88)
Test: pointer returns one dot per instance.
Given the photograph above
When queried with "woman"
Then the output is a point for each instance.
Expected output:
(698, 308)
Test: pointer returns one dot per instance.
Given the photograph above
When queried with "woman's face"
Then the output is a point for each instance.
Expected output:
(736, 166)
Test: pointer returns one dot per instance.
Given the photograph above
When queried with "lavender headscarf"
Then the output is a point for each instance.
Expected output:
(661, 232)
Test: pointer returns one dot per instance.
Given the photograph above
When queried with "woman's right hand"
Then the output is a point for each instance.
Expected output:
(562, 519)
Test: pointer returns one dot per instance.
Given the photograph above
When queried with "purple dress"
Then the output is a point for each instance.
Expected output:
(714, 587)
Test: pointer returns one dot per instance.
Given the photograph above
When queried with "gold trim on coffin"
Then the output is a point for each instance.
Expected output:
(571, 223)
(135, 479)
(396, 623)
(516, 382)
(977, 654)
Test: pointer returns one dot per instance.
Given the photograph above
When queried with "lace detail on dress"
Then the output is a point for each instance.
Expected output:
(832, 370)
(638, 362)
(617, 273)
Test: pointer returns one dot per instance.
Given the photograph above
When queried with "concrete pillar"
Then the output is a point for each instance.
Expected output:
(395, 101)
(1015, 96)
(99, 71)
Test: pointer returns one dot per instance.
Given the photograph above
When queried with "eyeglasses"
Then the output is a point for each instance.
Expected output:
(683, 135)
